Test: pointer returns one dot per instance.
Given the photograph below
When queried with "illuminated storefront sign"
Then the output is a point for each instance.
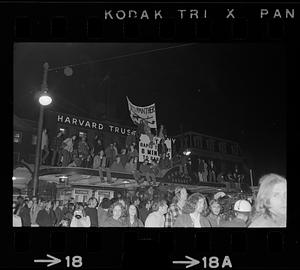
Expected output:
(81, 122)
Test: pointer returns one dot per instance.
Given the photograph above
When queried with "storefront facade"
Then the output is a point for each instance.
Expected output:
(82, 194)
(25, 132)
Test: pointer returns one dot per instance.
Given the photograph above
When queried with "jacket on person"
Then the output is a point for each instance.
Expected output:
(25, 216)
(59, 214)
(111, 222)
(266, 221)
(81, 222)
(155, 219)
(99, 161)
(92, 213)
(35, 209)
(173, 212)
(97, 148)
(214, 220)
(56, 143)
(17, 221)
(132, 154)
(46, 219)
(68, 145)
(145, 168)
(129, 140)
(137, 223)
(110, 153)
(236, 223)
(102, 216)
(124, 159)
(185, 220)
(83, 149)
(130, 167)
(118, 167)
(143, 213)
(164, 163)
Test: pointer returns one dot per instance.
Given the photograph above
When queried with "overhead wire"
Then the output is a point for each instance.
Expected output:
(121, 56)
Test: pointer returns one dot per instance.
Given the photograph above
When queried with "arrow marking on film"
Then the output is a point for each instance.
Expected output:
(192, 262)
(53, 261)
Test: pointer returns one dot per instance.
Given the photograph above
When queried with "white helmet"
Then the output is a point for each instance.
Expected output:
(242, 206)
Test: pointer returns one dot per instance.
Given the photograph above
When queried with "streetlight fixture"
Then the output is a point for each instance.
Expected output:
(44, 100)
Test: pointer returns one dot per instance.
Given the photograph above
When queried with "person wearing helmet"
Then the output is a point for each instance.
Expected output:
(242, 209)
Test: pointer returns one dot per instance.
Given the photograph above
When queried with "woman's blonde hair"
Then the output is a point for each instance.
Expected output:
(191, 203)
(177, 196)
(266, 185)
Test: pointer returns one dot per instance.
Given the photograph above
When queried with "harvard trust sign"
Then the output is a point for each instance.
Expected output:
(75, 121)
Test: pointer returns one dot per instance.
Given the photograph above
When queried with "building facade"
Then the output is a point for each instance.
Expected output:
(24, 140)
(226, 155)
(25, 132)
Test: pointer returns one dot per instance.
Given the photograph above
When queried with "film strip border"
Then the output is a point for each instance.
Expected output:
(95, 29)
(138, 22)
(117, 248)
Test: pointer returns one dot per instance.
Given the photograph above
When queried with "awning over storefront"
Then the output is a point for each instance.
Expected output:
(87, 177)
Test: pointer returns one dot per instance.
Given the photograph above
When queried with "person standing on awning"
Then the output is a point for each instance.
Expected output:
(67, 150)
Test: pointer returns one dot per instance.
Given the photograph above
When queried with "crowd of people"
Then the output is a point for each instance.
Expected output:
(75, 151)
(178, 209)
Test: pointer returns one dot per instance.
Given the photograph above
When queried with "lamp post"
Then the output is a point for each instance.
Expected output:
(44, 100)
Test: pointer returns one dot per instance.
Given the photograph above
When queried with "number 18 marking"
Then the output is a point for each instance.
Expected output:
(76, 261)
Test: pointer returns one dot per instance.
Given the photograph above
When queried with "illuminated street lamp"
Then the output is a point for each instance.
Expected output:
(44, 100)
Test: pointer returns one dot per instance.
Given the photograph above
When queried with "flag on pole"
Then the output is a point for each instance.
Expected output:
(146, 113)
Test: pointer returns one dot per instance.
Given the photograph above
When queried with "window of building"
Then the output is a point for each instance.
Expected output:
(222, 147)
(210, 145)
(34, 140)
(205, 144)
(235, 149)
(17, 136)
(197, 142)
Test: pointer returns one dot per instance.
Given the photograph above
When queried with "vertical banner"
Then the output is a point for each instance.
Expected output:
(138, 114)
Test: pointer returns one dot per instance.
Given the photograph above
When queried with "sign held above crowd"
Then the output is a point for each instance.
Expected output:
(149, 151)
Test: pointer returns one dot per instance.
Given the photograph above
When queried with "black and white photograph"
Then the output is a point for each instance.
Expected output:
(149, 135)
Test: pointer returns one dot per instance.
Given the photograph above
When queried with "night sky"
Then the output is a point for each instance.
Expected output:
(231, 91)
